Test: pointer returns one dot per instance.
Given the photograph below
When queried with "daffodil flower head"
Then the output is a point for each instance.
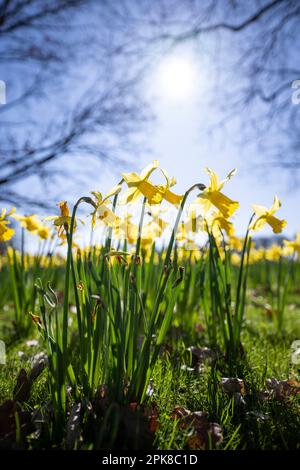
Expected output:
(65, 216)
(163, 191)
(293, 245)
(138, 185)
(153, 230)
(62, 220)
(125, 229)
(191, 225)
(219, 222)
(43, 232)
(29, 222)
(266, 216)
(256, 255)
(6, 233)
(274, 252)
(235, 243)
(102, 212)
(64, 209)
(211, 196)
(235, 259)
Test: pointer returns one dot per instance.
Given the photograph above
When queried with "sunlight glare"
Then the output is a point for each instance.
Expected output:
(177, 78)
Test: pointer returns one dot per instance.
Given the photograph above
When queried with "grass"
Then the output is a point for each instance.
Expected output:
(252, 425)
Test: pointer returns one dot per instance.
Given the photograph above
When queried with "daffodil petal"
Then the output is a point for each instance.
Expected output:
(130, 196)
(259, 210)
(259, 223)
(132, 179)
(149, 169)
(113, 191)
(214, 181)
(275, 206)
(228, 177)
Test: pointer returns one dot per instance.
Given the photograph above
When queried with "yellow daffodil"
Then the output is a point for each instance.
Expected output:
(212, 196)
(29, 222)
(6, 233)
(33, 225)
(273, 253)
(138, 185)
(102, 212)
(189, 227)
(43, 232)
(266, 216)
(236, 243)
(257, 255)
(293, 245)
(221, 223)
(62, 220)
(217, 222)
(235, 259)
(163, 192)
(151, 231)
(126, 230)
(189, 251)
(287, 251)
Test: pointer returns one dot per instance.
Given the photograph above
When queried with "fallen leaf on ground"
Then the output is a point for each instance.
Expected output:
(233, 385)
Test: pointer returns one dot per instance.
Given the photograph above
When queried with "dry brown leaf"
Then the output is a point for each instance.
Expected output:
(209, 435)
(179, 412)
(233, 385)
(203, 433)
(283, 389)
(200, 355)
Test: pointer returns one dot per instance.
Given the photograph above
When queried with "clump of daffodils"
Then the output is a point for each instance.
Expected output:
(211, 212)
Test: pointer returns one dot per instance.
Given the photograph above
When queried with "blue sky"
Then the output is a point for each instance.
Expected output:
(179, 140)
(181, 135)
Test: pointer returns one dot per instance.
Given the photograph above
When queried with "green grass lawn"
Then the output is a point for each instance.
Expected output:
(248, 420)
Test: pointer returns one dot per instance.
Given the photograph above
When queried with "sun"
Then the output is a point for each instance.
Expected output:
(176, 78)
